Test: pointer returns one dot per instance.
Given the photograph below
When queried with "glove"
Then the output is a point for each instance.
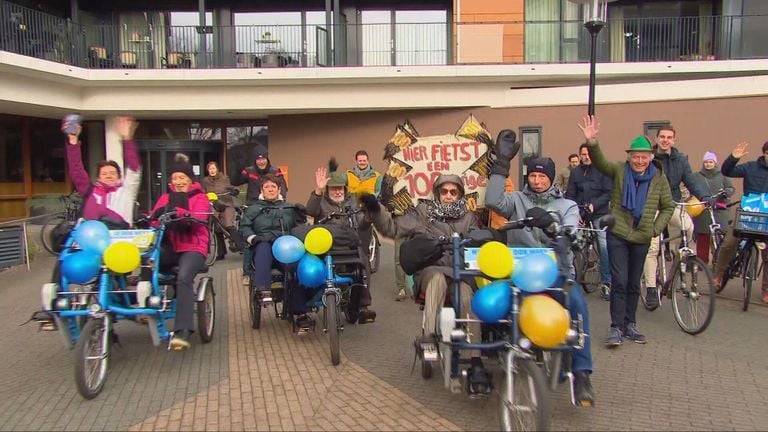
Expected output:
(254, 239)
(370, 203)
(506, 150)
(181, 212)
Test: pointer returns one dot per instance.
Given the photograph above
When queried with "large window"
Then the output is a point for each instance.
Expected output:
(552, 31)
(404, 38)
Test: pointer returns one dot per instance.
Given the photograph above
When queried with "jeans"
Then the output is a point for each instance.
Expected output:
(626, 270)
(602, 244)
(577, 306)
(262, 260)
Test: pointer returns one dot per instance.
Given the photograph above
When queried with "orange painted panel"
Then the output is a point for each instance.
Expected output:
(491, 6)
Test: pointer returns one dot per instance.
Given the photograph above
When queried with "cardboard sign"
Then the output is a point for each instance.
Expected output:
(415, 162)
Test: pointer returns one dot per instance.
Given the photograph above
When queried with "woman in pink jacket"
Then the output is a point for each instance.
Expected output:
(185, 244)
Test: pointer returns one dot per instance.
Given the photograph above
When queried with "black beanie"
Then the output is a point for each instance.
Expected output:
(765, 147)
(542, 165)
(181, 164)
(260, 151)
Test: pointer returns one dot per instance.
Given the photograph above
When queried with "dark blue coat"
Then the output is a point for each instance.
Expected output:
(754, 173)
(677, 169)
(587, 185)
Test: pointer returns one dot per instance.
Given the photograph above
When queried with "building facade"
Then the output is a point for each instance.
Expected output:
(314, 79)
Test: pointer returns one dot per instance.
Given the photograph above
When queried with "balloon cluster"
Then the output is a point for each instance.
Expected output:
(94, 247)
(311, 270)
(532, 273)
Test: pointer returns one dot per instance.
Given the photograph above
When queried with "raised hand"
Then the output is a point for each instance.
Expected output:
(740, 150)
(590, 127)
(321, 179)
(126, 126)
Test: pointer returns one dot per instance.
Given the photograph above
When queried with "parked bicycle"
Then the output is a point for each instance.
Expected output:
(53, 233)
(749, 261)
(690, 285)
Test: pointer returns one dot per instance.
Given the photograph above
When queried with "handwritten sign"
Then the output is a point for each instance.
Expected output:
(415, 163)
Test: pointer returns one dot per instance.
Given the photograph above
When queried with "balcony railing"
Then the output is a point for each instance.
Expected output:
(35, 34)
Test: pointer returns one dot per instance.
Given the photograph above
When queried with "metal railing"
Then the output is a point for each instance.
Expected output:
(32, 33)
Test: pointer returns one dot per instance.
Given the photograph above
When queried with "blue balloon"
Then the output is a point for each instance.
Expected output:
(93, 236)
(81, 266)
(311, 271)
(535, 273)
(287, 249)
(492, 302)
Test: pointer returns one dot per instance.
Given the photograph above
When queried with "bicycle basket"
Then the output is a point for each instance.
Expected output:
(750, 223)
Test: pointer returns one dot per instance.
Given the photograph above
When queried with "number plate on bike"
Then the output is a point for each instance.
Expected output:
(143, 239)
(470, 255)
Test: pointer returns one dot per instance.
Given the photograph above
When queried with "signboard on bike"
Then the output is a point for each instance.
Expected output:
(143, 239)
(415, 162)
(470, 255)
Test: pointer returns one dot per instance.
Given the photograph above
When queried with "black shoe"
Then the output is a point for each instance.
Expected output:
(584, 395)
(304, 323)
(366, 316)
(605, 292)
(180, 340)
(652, 297)
(45, 319)
(479, 380)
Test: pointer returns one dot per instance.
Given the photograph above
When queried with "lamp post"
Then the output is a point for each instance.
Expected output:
(595, 13)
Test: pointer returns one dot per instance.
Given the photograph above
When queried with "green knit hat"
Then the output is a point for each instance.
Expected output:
(337, 179)
(640, 144)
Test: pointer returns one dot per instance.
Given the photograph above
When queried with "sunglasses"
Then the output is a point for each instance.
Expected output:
(452, 192)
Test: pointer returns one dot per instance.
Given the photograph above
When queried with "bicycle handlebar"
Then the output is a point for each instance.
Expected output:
(347, 212)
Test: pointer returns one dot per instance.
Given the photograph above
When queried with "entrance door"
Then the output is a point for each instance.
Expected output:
(157, 155)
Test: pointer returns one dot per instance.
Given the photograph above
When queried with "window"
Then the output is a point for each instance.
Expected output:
(651, 128)
(417, 37)
(11, 158)
(530, 139)
(269, 33)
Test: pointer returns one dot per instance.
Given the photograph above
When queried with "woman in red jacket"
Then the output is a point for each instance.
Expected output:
(185, 244)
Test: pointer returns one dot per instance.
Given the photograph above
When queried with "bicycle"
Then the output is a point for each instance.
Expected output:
(110, 299)
(716, 232)
(752, 230)
(690, 294)
(218, 233)
(586, 257)
(374, 246)
(54, 231)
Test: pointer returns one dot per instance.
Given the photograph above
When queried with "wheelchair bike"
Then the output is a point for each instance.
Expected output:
(86, 315)
(528, 370)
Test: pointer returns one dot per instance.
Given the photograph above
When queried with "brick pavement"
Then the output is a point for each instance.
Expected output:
(272, 380)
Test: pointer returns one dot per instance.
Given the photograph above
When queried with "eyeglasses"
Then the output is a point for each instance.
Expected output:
(452, 192)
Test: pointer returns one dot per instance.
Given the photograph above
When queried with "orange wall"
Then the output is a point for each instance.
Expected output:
(495, 11)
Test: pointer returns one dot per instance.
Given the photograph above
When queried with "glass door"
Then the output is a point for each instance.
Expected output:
(158, 155)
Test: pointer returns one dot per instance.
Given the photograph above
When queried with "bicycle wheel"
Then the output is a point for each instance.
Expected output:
(693, 295)
(591, 277)
(374, 256)
(331, 319)
(213, 247)
(52, 226)
(254, 308)
(206, 314)
(750, 274)
(92, 357)
(524, 402)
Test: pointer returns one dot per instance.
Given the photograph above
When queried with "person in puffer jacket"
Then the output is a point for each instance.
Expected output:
(446, 213)
(187, 243)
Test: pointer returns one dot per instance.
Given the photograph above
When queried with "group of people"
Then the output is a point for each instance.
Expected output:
(638, 192)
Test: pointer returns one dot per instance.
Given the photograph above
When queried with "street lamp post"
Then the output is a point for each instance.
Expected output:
(595, 13)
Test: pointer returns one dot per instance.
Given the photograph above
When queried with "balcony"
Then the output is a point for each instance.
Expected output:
(35, 34)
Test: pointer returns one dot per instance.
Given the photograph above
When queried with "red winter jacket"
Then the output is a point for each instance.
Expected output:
(196, 238)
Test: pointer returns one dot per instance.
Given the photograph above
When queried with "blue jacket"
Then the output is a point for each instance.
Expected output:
(754, 173)
(587, 185)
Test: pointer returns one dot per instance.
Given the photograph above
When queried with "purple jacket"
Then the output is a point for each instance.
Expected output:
(113, 202)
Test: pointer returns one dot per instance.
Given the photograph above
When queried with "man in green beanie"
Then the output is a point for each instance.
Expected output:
(642, 204)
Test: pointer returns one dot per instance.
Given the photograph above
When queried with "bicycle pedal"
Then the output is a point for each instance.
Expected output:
(429, 352)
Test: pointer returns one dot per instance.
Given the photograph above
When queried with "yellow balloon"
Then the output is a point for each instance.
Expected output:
(318, 241)
(694, 210)
(544, 321)
(481, 281)
(122, 257)
(212, 196)
(495, 260)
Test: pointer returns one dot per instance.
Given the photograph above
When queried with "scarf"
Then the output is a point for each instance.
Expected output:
(363, 174)
(636, 187)
(454, 210)
(540, 199)
(709, 173)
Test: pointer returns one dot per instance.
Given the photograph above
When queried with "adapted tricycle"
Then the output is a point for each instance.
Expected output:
(94, 294)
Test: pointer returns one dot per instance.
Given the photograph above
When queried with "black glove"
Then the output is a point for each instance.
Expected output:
(370, 203)
(506, 150)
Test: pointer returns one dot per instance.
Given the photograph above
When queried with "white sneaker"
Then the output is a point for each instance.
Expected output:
(246, 280)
